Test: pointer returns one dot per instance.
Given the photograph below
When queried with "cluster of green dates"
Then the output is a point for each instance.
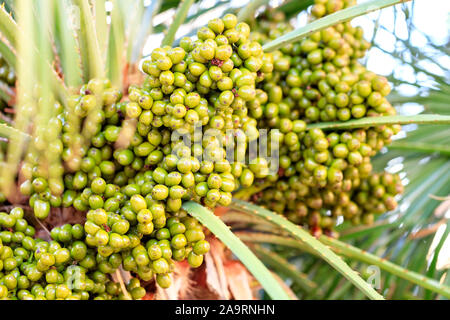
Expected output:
(324, 174)
(118, 163)
(202, 90)
(62, 269)
(131, 205)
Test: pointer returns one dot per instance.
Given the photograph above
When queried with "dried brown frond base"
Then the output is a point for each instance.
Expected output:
(131, 75)
(219, 278)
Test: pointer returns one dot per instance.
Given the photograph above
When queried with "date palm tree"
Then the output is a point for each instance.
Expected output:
(54, 47)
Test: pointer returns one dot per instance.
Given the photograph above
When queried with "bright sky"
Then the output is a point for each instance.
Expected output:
(432, 17)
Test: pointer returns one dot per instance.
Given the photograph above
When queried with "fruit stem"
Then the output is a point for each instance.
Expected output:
(245, 194)
(122, 285)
